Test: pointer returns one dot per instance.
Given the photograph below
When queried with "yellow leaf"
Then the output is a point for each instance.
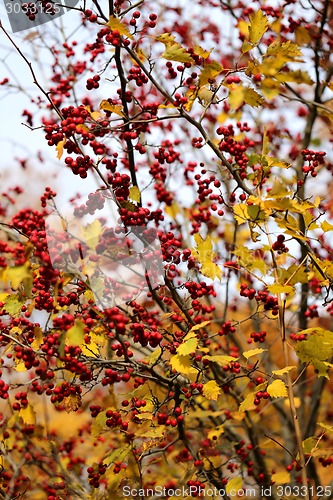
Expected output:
(279, 288)
(182, 364)
(326, 226)
(328, 428)
(243, 28)
(172, 210)
(60, 148)
(234, 484)
(18, 274)
(93, 114)
(13, 305)
(188, 347)
(252, 98)
(215, 433)
(134, 194)
(247, 404)
(204, 253)
(277, 389)
(253, 352)
(177, 53)
(28, 415)
(20, 367)
(72, 402)
(284, 370)
(116, 24)
(113, 108)
(236, 95)
(258, 26)
(316, 349)
(302, 36)
(281, 477)
(206, 96)
(221, 360)
(75, 334)
(200, 325)
(153, 357)
(38, 332)
(209, 72)
(167, 39)
(98, 424)
(211, 390)
(241, 213)
(91, 233)
(308, 444)
(199, 51)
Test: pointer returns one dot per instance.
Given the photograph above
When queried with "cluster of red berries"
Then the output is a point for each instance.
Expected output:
(94, 475)
(137, 75)
(259, 396)
(64, 390)
(93, 83)
(258, 336)
(312, 311)
(314, 159)
(279, 245)
(22, 401)
(113, 376)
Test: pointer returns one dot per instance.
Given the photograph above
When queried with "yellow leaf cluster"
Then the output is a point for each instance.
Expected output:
(205, 255)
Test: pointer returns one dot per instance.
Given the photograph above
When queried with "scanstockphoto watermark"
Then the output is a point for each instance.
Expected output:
(188, 491)
(29, 14)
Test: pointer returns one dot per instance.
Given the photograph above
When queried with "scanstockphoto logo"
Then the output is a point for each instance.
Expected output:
(28, 14)
(90, 242)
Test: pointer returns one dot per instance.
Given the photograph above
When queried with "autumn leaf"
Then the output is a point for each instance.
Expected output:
(182, 364)
(91, 233)
(75, 334)
(188, 346)
(281, 477)
(116, 24)
(216, 432)
(60, 148)
(72, 402)
(28, 415)
(135, 194)
(113, 108)
(234, 484)
(277, 389)
(253, 352)
(204, 253)
(258, 26)
(199, 51)
(316, 349)
(284, 370)
(210, 71)
(211, 390)
(177, 53)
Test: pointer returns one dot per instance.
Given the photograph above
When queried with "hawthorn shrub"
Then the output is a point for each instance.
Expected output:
(170, 330)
